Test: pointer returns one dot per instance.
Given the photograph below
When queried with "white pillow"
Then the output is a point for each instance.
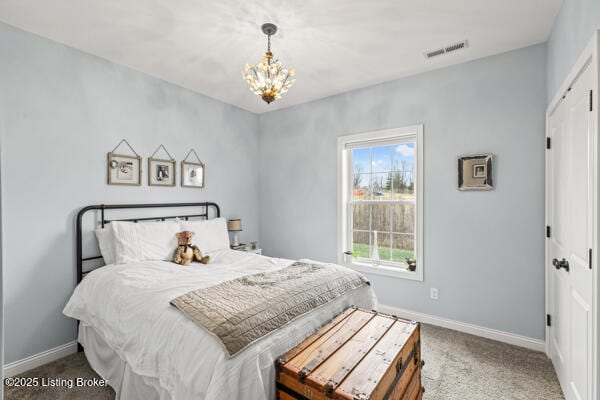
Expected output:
(106, 242)
(210, 235)
(144, 240)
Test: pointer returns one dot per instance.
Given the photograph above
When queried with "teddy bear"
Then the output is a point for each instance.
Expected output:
(186, 252)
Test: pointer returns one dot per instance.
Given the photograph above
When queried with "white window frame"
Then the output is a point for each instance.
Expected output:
(344, 188)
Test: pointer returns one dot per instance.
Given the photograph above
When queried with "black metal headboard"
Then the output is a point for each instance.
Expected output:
(103, 221)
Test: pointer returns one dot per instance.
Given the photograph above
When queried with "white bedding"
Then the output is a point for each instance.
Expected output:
(128, 305)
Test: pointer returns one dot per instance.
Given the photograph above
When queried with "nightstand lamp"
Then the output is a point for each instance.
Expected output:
(235, 225)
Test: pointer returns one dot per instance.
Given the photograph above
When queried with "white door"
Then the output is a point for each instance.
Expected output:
(570, 216)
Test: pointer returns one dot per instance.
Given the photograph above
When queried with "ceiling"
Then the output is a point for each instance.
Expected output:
(334, 45)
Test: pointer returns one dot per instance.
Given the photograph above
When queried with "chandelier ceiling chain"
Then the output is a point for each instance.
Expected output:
(269, 79)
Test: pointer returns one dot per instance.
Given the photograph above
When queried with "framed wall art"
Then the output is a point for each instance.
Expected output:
(161, 171)
(124, 169)
(192, 173)
(476, 172)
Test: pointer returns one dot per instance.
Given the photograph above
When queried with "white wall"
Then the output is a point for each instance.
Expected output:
(61, 111)
(573, 29)
(484, 251)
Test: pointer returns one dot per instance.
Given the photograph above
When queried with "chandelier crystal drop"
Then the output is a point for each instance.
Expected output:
(269, 79)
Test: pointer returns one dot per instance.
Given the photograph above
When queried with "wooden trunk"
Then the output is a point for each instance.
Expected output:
(359, 355)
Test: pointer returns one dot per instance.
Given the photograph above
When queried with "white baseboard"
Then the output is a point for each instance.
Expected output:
(20, 366)
(500, 336)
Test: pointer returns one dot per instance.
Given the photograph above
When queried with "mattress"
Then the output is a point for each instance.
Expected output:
(125, 309)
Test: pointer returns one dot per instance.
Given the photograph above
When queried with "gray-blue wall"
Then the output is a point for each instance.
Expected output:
(484, 251)
(1, 284)
(61, 111)
(573, 29)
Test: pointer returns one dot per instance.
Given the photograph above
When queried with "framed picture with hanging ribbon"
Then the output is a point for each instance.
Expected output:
(124, 169)
(161, 171)
(192, 173)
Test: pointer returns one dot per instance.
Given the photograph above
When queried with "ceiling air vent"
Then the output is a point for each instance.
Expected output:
(448, 49)
(435, 53)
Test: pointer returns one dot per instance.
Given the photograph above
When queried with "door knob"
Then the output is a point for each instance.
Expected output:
(561, 264)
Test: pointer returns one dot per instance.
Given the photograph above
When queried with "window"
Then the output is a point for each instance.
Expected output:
(380, 210)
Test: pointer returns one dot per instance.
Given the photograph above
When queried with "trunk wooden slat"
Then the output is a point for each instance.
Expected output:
(285, 396)
(359, 355)
(311, 339)
(333, 371)
(413, 391)
(328, 343)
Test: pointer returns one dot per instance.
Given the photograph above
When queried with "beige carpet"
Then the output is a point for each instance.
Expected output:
(457, 367)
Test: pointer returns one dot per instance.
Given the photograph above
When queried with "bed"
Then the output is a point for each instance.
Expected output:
(147, 349)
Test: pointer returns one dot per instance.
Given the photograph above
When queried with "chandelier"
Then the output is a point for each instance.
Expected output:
(269, 79)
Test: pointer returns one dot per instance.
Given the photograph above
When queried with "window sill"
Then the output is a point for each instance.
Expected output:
(385, 271)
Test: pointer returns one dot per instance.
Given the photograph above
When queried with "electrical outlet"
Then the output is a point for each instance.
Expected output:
(434, 293)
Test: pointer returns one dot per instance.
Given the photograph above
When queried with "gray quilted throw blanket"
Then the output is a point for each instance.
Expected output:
(243, 310)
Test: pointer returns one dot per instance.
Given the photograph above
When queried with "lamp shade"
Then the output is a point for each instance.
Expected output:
(234, 225)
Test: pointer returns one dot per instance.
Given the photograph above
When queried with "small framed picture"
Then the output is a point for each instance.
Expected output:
(192, 174)
(161, 172)
(475, 172)
(124, 170)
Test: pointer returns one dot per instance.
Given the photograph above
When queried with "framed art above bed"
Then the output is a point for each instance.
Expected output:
(192, 173)
(161, 171)
(123, 169)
